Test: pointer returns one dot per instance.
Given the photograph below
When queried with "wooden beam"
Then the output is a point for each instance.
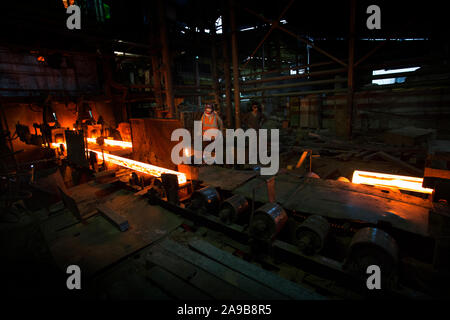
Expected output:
(235, 58)
(216, 87)
(226, 70)
(204, 281)
(350, 73)
(157, 81)
(273, 281)
(219, 270)
(166, 58)
(119, 221)
(175, 286)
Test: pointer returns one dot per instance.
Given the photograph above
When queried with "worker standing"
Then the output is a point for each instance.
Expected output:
(255, 118)
(210, 120)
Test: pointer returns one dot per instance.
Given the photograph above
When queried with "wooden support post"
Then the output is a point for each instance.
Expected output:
(226, 70)
(106, 64)
(214, 68)
(350, 74)
(166, 59)
(234, 50)
(197, 80)
(157, 81)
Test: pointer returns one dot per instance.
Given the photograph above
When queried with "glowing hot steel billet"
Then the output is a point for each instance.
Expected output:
(129, 163)
(140, 166)
(111, 142)
(55, 145)
(390, 180)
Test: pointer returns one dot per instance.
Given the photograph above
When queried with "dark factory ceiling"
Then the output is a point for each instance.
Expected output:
(130, 20)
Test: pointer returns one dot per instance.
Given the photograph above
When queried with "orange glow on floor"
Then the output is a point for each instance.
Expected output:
(390, 181)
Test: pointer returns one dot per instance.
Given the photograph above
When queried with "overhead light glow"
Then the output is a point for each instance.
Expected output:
(247, 29)
(393, 72)
(390, 71)
(218, 25)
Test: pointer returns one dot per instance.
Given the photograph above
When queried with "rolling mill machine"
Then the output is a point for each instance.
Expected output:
(339, 228)
(343, 227)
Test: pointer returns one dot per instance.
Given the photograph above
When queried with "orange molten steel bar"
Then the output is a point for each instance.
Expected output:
(111, 142)
(390, 180)
(140, 166)
(56, 144)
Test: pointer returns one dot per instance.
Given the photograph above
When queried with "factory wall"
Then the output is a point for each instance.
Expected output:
(30, 72)
(377, 111)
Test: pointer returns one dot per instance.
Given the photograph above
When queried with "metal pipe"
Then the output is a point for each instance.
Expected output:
(298, 93)
(297, 76)
(319, 64)
(296, 84)
(302, 159)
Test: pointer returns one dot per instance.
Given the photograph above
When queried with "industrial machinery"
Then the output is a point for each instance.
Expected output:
(311, 234)
(372, 246)
(339, 238)
(266, 223)
(233, 208)
(337, 225)
(205, 200)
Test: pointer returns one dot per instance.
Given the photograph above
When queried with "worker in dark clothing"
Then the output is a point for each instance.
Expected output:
(255, 118)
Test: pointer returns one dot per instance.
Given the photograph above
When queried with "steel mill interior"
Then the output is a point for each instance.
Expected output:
(224, 150)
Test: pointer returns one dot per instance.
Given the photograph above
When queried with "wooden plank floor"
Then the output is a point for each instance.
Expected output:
(256, 273)
(143, 263)
(206, 282)
(96, 243)
(217, 280)
(226, 179)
